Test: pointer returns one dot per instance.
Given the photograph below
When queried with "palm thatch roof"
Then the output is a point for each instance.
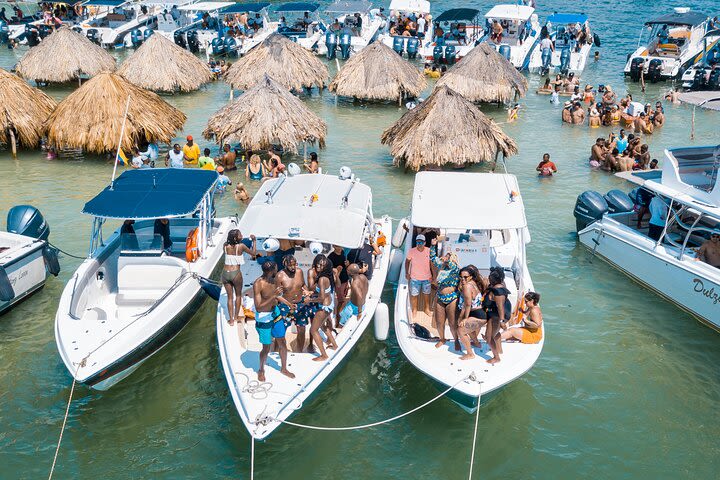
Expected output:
(63, 56)
(162, 66)
(378, 73)
(91, 117)
(23, 109)
(285, 61)
(265, 115)
(446, 129)
(484, 75)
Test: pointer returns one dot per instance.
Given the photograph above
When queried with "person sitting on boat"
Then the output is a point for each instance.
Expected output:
(472, 317)
(128, 237)
(231, 277)
(268, 324)
(419, 275)
(495, 303)
(175, 157)
(447, 280)
(339, 264)
(364, 256)
(709, 251)
(359, 286)
(254, 168)
(531, 331)
(321, 279)
(161, 228)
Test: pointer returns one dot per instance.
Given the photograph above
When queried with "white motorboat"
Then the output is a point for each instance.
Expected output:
(608, 226)
(403, 44)
(111, 21)
(141, 286)
(705, 73)
(452, 35)
(568, 55)
(353, 28)
(197, 25)
(259, 28)
(668, 45)
(26, 259)
(300, 22)
(320, 208)
(492, 233)
(520, 32)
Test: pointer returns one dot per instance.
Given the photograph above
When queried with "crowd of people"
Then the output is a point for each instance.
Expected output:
(466, 301)
(621, 153)
(409, 24)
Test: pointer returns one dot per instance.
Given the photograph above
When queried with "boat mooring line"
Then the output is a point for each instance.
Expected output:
(67, 413)
(64, 252)
(477, 417)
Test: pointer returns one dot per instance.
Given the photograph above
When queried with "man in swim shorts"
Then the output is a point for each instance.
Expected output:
(358, 293)
(292, 281)
(267, 294)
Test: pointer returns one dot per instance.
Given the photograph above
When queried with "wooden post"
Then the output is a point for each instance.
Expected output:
(692, 124)
(13, 142)
(232, 93)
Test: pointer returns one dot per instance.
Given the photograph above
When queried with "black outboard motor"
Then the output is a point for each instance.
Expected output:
(331, 42)
(636, 68)
(27, 220)
(714, 80)
(93, 35)
(505, 51)
(564, 60)
(217, 46)
(4, 32)
(654, 70)
(450, 54)
(32, 36)
(345, 44)
(546, 57)
(399, 45)
(231, 49)
(136, 37)
(618, 202)
(192, 41)
(698, 79)
(179, 39)
(589, 208)
(413, 45)
(438, 54)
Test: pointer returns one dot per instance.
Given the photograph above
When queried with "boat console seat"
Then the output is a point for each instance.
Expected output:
(142, 280)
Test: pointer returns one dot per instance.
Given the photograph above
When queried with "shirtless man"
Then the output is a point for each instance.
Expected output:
(659, 118)
(227, 159)
(643, 160)
(709, 252)
(359, 285)
(597, 152)
(566, 115)
(625, 162)
(292, 281)
(578, 114)
(266, 295)
(642, 125)
(610, 162)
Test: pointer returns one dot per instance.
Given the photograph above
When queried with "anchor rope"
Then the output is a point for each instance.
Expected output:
(67, 413)
(477, 418)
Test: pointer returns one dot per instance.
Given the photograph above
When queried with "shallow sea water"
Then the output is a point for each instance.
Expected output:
(626, 386)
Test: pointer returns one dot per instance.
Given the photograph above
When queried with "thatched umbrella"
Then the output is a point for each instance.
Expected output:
(484, 75)
(446, 129)
(62, 56)
(91, 117)
(378, 73)
(162, 66)
(23, 110)
(266, 115)
(284, 60)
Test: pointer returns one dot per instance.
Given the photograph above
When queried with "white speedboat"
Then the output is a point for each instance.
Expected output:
(358, 28)
(138, 288)
(300, 22)
(452, 35)
(608, 226)
(197, 24)
(668, 45)
(569, 55)
(111, 21)
(492, 233)
(404, 44)
(259, 28)
(705, 72)
(26, 259)
(320, 208)
(520, 32)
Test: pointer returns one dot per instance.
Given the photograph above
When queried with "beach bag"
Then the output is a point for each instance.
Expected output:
(422, 332)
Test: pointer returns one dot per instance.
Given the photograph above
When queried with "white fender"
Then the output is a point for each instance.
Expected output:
(395, 266)
(398, 238)
(381, 322)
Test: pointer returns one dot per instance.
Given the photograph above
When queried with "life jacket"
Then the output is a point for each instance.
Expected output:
(192, 252)
(519, 316)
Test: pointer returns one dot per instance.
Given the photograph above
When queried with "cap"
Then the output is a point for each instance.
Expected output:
(220, 169)
(420, 237)
(567, 104)
(189, 137)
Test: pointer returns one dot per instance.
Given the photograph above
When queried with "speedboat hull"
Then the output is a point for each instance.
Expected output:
(22, 269)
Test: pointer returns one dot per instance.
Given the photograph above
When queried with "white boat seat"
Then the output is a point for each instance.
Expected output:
(143, 280)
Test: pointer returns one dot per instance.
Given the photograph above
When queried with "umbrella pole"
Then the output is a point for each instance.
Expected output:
(232, 93)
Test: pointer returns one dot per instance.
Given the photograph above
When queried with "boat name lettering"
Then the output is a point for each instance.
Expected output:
(20, 275)
(711, 294)
(294, 232)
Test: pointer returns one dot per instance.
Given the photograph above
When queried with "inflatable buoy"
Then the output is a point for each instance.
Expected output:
(191, 246)
(396, 262)
(400, 233)
(271, 245)
(381, 322)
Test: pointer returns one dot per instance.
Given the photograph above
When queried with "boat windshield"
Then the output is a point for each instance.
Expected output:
(667, 40)
(145, 242)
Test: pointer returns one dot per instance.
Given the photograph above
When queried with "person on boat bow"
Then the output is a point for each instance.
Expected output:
(321, 280)
(359, 286)
(447, 296)
(231, 277)
(292, 281)
(531, 331)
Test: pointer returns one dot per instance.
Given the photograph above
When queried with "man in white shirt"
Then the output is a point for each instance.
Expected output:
(175, 157)
(421, 24)
(138, 159)
(658, 216)
(546, 44)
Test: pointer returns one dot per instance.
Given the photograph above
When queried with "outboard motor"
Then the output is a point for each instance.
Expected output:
(32, 36)
(399, 45)
(437, 54)
(192, 41)
(450, 54)
(179, 39)
(147, 33)
(546, 57)
(331, 42)
(589, 208)
(618, 202)
(714, 80)
(4, 32)
(44, 31)
(505, 50)
(345, 43)
(230, 47)
(27, 220)
(654, 70)
(136, 37)
(698, 79)
(413, 45)
(564, 60)
(93, 35)
(217, 46)
(636, 68)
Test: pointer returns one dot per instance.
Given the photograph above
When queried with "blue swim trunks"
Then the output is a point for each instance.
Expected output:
(347, 312)
(263, 326)
(305, 313)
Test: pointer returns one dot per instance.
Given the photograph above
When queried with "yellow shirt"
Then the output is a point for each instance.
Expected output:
(192, 153)
(432, 73)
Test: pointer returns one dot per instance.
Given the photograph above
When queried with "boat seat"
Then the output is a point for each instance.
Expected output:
(142, 280)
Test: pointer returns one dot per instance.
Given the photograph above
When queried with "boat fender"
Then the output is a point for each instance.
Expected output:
(191, 245)
(316, 248)
(589, 208)
(213, 289)
(396, 262)
(401, 232)
(381, 322)
(271, 245)
(50, 255)
(596, 40)
(6, 289)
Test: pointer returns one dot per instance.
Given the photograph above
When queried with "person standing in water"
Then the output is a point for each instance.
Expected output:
(546, 167)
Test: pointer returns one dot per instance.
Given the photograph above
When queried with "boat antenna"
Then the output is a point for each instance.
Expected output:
(117, 153)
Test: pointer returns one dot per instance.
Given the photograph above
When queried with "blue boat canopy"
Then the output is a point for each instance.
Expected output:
(351, 6)
(245, 7)
(153, 193)
(565, 18)
(297, 7)
(689, 19)
(104, 3)
(458, 15)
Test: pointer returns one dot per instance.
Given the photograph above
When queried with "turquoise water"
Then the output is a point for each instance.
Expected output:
(626, 385)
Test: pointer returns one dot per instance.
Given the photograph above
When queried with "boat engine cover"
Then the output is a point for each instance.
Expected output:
(618, 202)
(589, 207)
(27, 220)
(636, 67)
(413, 45)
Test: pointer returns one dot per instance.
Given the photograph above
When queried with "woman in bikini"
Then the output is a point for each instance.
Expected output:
(497, 309)
(231, 276)
(322, 277)
(447, 295)
(531, 331)
(472, 317)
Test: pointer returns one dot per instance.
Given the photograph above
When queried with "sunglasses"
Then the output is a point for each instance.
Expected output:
(465, 277)
(420, 242)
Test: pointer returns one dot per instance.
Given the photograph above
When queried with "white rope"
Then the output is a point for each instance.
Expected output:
(67, 412)
(252, 457)
(477, 417)
(382, 422)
